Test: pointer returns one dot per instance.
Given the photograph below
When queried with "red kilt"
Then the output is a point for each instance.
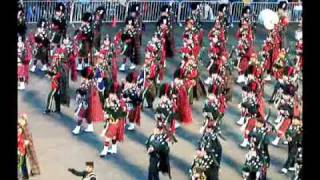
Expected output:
(81, 114)
(250, 125)
(134, 115)
(21, 71)
(284, 127)
(244, 63)
(116, 130)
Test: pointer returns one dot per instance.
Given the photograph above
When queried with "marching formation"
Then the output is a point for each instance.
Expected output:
(101, 97)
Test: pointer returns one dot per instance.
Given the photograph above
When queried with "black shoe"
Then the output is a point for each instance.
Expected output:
(47, 111)
(57, 111)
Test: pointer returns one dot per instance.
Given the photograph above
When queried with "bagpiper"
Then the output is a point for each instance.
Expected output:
(158, 150)
(165, 24)
(59, 24)
(131, 92)
(283, 23)
(294, 136)
(209, 153)
(42, 46)
(21, 26)
(128, 39)
(252, 165)
(84, 35)
(82, 106)
(259, 137)
(165, 112)
(286, 113)
(97, 23)
(115, 113)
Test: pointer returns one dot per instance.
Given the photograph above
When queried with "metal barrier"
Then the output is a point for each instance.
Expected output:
(294, 13)
(151, 10)
(36, 9)
(113, 9)
(209, 10)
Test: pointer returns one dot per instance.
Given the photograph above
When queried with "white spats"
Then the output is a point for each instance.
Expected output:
(21, 85)
(240, 122)
(284, 170)
(241, 79)
(276, 141)
(245, 143)
(79, 67)
(268, 78)
(89, 128)
(33, 68)
(132, 67)
(104, 151)
(131, 127)
(113, 149)
(122, 67)
(44, 68)
(76, 130)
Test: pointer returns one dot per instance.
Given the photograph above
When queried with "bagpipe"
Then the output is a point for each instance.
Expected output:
(158, 142)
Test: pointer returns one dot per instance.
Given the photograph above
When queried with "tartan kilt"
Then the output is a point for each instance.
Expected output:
(112, 130)
(115, 130)
(85, 48)
(81, 113)
(21, 71)
(151, 89)
(129, 50)
(42, 53)
(96, 39)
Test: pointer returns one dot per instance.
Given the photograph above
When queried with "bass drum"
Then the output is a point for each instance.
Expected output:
(268, 18)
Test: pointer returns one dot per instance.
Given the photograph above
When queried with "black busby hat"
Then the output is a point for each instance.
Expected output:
(194, 6)
(87, 17)
(90, 163)
(100, 10)
(20, 7)
(164, 89)
(214, 69)
(132, 77)
(177, 73)
(81, 91)
(222, 7)
(283, 5)
(246, 9)
(42, 23)
(162, 20)
(60, 7)
(165, 8)
(129, 20)
(134, 8)
(87, 72)
(289, 90)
